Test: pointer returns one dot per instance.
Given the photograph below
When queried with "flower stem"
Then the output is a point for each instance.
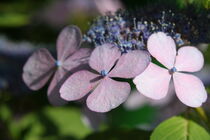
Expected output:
(202, 113)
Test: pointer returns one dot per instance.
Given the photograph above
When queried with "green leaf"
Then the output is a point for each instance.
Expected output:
(179, 128)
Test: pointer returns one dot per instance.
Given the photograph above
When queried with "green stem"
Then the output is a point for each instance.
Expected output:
(202, 113)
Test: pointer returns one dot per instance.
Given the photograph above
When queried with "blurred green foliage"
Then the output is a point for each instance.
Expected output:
(120, 134)
(18, 13)
(177, 3)
(13, 19)
(48, 123)
(132, 118)
(206, 55)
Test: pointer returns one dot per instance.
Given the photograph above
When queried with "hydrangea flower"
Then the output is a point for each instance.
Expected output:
(154, 81)
(107, 63)
(130, 31)
(41, 65)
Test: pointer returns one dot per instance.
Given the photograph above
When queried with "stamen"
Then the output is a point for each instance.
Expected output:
(173, 70)
(104, 73)
(58, 63)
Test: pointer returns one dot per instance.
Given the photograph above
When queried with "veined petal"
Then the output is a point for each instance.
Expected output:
(108, 95)
(104, 57)
(53, 90)
(78, 60)
(189, 59)
(131, 64)
(68, 42)
(163, 48)
(38, 69)
(189, 89)
(78, 85)
(153, 82)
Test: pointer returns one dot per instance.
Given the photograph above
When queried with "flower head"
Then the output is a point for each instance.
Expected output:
(107, 93)
(126, 32)
(154, 81)
(41, 65)
(130, 30)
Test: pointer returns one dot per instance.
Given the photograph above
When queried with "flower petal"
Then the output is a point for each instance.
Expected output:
(53, 90)
(189, 59)
(108, 95)
(189, 89)
(78, 60)
(104, 57)
(38, 69)
(68, 42)
(153, 82)
(78, 85)
(163, 48)
(131, 64)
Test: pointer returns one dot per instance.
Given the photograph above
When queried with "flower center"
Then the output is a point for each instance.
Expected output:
(172, 70)
(104, 73)
(58, 63)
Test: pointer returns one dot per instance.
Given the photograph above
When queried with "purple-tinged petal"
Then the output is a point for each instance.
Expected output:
(104, 57)
(78, 85)
(68, 42)
(53, 90)
(163, 48)
(131, 64)
(189, 89)
(109, 94)
(153, 82)
(38, 69)
(78, 60)
(189, 59)
(105, 6)
(93, 119)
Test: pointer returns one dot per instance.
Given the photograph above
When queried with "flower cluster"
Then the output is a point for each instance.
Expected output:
(129, 30)
(129, 33)
(123, 50)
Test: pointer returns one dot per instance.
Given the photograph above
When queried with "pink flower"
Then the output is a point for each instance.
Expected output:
(107, 93)
(154, 81)
(41, 65)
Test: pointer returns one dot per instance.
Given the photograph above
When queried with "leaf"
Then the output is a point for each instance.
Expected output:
(179, 128)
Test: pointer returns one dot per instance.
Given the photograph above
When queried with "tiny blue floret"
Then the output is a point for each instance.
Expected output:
(104, 73)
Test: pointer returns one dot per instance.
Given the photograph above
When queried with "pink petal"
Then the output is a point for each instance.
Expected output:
(131, 64)
(78, 60)
(163, 48)
(68, 42)
(78, 85)
(189, 89)
(53, 90)
(189, 59)
(109, 94)
(105, 6)
(38, 69)
(153, 82)
(103, 57)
